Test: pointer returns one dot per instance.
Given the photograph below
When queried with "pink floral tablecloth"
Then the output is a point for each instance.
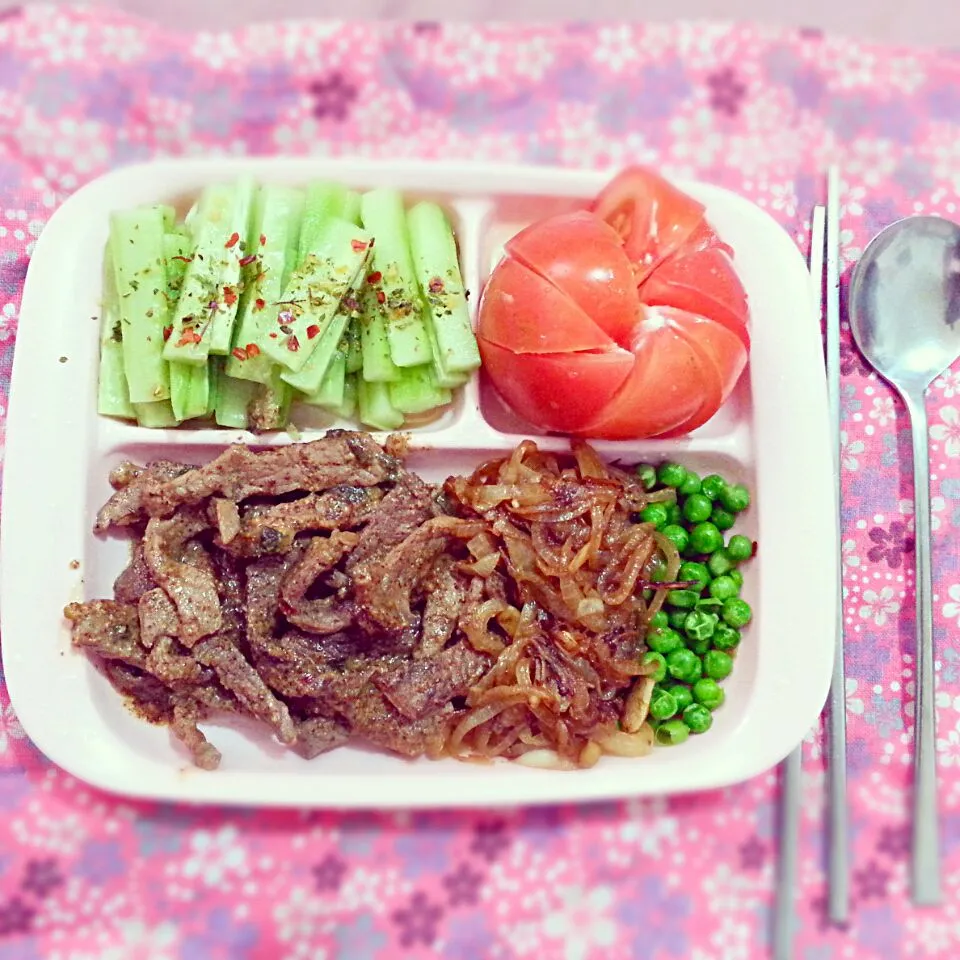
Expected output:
(85, 876)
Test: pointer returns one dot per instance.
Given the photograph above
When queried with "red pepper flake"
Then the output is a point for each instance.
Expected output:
(359, 245)
(263, 240)
(184, 259)
(233, 241)
(381, 297)
(375, 277)
(260, 303)
(253, 350)
(167, 331)
(239, 353)
(273, 335)
(189, 336)
(229, 296)
(293, 344)
(248, 259)
(436, 285)
(312, 331)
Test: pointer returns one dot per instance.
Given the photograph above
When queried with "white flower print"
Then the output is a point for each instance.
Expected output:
(937, 506)
(616, 48)
(883, 410)
(583, 924)
(854, 703)
(298, 920)
(877, 606)
(948, 432)
(951, 610)
(849, 450)
(216, 50)
(868, 164)
(948, 748)
(854, 195)
(8, 322)
(60, 835)
(733, 938)
(949, 383)
(783, 198)
(214, 855)
(850, 558)
(10, 728)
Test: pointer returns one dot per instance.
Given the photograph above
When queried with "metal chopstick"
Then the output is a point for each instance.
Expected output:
(792, 768)
(838, 868)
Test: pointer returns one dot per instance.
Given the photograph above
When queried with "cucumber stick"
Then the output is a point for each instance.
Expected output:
(137, 248)
(383, 215)
(157, 415)
(233, 396)
(113, 396)
(330, 392)
(376, 362)
(312, 295)
(348, 406)
(417, 391)
(373, 400)
(324, 202)
(310, 376)
(441, 284)
(276, 222)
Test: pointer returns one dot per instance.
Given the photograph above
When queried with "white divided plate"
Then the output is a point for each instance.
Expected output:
(771, 435)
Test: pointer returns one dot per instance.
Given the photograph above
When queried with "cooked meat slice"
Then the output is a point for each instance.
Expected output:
(186, 714)
(240, 472)
(384, 588)
(304, 665)
(124, 506)
(147, 695)
(421, 688)
(169, 662)
(326, 614)
(240, 678)
(317, 735)
(230, 577)
(135, 580)
(193, 590)
(108, 628)
(263, 599)
(158, 617)
(444, 594)
(374, 719)
(226, 516)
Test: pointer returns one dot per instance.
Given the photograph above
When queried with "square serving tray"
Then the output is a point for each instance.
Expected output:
(772, 434)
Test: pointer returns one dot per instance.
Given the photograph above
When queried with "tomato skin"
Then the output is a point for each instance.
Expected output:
(559, 392)
(583, 256)
(514, 304)
(653, 217)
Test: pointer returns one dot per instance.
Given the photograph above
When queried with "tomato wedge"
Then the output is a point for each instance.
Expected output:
(653, 217)
(560, 392)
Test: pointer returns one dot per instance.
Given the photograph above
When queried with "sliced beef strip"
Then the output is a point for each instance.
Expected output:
(263, 599)
(327, 614)
(109, 629)
(124, 506)
(317, 735)
(385, 588)
(231, 581)
(186, 714)
(444, 597)
(169, 662)
(147, 695)
(225, 514)
(158, 617)
(423, 687)
(192, 589)
(243, 681)
(135, 580)
(240, 472)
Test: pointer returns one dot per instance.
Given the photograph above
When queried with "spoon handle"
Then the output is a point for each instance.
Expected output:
(926, 847)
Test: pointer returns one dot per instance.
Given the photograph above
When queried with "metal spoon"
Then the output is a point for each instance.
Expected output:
(905, 318)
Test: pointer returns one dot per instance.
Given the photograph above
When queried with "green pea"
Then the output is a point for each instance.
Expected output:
(699, 647)
(705, 538)
(684, 665)
(698, 718)
(647, 475)
(671, 733)
(711, 485)
(660, 663)
(655, 513)
(723, 519)
(737, 612)
(723, 588)
(692, 571)
(720, 562)
(700, 625)
(674, 514)
(737, 577)
(659, 620)
(658, 571)
(691, 484)
(717, 664)
(677, 618)
(725, 637)
(664, 641)
(709, 693)
(740, 547)
(681, 693)
(697, 508)
(678, 534)
(735, 498)
(685, 599)
(671, 474)
(662, 705)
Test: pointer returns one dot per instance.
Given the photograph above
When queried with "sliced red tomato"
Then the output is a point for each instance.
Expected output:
(584, 257)
(653, 217)
(558, 392)
(516, 302)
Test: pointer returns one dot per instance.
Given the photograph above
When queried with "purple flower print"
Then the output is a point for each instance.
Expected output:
(727, 91)
(491, 839)
(15, 917)
(328, 874)
(419, 921)
(41, 877)
(890, 545)
(753, 853)
(463, 886)
(850, 359)
(871, 881)
(426, 27)
(894, 842)
(333, 96)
